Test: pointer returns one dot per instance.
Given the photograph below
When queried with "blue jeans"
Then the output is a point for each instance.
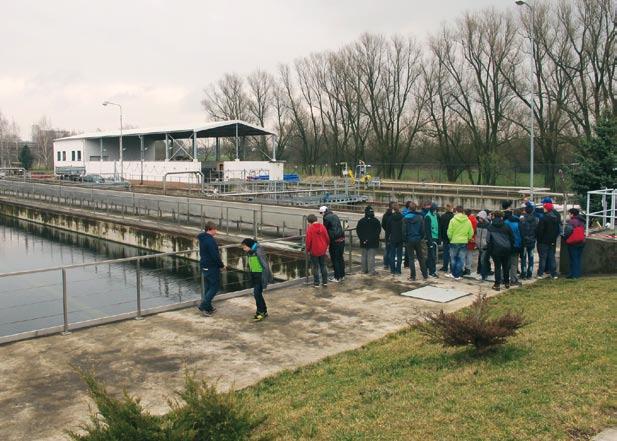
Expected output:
(386, 256)
(547, 263)
(212, 279)
(446, 255)
(457, 258)
(396, 257)
(575, 252)
(527, 260)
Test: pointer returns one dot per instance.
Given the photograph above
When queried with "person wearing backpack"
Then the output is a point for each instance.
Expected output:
(512, 221)
(368, 231)
(444, 222)
(574, 234)
(414, 229)
(547, 233)
(337, 242)
(528, 225)
(260, 273)
(500, 245)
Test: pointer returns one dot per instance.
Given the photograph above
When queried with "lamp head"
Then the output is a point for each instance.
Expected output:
(105, 103)
(520, 2)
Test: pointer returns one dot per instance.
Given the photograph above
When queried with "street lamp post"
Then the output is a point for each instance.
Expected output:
(109, 103)
(532, 100)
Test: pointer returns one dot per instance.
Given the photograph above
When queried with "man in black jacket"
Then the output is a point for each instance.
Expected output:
(337, 242)
(444, 221)
(528, 226)
(414, 227)
(396, 238)
(500, 245)
(211, 266)
(547, 233)
(384, 225)
(368, 231)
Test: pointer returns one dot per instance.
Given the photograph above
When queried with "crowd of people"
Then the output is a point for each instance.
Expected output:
(506, 240)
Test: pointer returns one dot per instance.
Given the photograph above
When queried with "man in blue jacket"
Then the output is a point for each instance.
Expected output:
(512, 222)
(211, 265)
(414, 229)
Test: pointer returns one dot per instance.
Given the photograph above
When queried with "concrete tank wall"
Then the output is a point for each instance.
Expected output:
(599, 257)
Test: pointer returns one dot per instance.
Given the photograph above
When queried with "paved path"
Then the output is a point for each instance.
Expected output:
(40, 395)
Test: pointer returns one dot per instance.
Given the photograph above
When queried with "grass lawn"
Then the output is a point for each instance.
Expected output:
(557, 380)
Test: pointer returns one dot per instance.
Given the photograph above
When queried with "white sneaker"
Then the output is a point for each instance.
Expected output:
(449, 275)
(458, 278)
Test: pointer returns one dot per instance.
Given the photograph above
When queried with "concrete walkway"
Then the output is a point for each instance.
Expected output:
(40, 394)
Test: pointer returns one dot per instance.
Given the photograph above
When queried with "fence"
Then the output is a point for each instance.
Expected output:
(608, 213)
(232, 217)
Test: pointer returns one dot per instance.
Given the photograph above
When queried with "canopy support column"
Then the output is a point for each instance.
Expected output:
(217, 154)
(101, 149)
(237, 145)
(194, 146)
(166, 147)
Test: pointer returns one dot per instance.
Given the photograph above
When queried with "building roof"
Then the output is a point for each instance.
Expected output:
(218, 129)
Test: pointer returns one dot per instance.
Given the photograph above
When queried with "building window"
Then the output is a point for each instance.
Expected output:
(59, 156)
(79, 155)
(64, 156)
(72, 155)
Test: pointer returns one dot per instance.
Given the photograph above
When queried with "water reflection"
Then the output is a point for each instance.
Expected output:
(35, 301)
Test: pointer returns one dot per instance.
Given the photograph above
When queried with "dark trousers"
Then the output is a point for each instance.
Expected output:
(484, 264)
(575, 253)
(212, 282)
(546, 258)
(416, 248)
(446, 255)
(386, 255)
(431, 257)
(527, 260)
(502, 269)
(258, 292)
(337, 255)
(396, 255)
(319, 268)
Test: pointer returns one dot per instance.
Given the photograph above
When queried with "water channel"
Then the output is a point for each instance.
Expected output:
(34, 301)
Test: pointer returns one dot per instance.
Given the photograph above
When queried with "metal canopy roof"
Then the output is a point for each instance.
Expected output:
(219, 129)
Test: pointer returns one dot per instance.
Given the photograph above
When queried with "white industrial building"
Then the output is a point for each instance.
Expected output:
(171, 152)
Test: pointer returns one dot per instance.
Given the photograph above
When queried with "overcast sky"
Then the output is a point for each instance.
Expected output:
(63, 58)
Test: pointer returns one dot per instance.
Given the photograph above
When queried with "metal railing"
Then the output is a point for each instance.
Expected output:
(608, 213)
(139, 312)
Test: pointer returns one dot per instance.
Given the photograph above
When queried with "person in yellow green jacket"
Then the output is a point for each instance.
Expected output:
(260, 275)
(460, 232)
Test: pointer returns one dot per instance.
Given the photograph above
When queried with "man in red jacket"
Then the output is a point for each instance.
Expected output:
(317, 242)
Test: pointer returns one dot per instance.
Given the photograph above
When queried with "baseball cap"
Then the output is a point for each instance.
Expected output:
(323, 209)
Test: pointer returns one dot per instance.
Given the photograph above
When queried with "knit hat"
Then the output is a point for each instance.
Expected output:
(505, 204)
(548, 206)
(547, 200)
(323, 209)
(482, 215)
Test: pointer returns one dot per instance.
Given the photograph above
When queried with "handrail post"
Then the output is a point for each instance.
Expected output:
(350, 245)
(138, 288)
(255, 224)
(65, 305)
(306, 254)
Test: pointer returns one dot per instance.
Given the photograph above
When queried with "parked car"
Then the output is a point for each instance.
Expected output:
(95, 179)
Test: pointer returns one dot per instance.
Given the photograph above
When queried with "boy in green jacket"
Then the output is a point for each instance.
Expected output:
(460, 233)
(260, 275)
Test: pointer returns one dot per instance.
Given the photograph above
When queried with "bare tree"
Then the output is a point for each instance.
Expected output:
(227, 99)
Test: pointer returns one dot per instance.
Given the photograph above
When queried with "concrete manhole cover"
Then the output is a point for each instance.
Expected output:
(434, 294)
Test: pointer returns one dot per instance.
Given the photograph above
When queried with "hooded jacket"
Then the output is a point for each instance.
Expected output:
(528, 226)
(334, 227)
(471, 245)
(444, 221)
(395, 223)
(500, 238)
(574, 222)
(257, 260)
(513, 224)
(209, 256)
(414, 226)
(460, 230)
(368, 229)
(547, 231)
(384, 222)
(482, 234)
(317, 240)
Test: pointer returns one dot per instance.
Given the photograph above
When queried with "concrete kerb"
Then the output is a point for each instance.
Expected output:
(133, 314)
